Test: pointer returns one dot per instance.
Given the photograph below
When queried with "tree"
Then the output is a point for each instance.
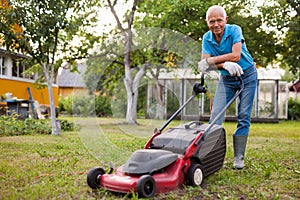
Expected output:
(261, 43)
(49, 27)
(284, 17)
(131, 84)
(291, 49)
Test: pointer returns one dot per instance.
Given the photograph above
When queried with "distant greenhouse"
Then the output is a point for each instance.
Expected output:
(270, 104)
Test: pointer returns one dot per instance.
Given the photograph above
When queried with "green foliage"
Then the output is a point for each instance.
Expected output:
(119, 102)
(62, 20)
(61, 104)
(80, 105)
(11, 126)
(291, 50)
(284, 16)
(142, 100)
(105, 70)
(103, 105)
(187, 17)
(68, 126)
(261, 44)
(65, 104)
(293, 109)
(172, 104)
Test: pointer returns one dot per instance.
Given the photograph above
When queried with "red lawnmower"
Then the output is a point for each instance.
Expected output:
(182, 155)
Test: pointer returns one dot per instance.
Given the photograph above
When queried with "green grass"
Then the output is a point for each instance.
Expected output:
(55, 167)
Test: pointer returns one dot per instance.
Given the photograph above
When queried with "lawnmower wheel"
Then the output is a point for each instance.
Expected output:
(146, 186)
(195, 175)
(93, 177)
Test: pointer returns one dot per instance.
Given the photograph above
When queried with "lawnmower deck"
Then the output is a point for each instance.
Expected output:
(170, 178)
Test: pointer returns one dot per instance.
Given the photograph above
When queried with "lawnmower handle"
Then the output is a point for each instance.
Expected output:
(197, 89)
(222, 111)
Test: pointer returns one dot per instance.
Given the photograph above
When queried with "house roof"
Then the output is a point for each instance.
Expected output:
(12, 54)
(72, 79)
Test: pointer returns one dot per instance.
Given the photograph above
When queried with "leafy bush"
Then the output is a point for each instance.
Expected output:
(86, 105)
(62, 101)
(67, 104)
(68, 126)
(119, 107)
(293, 109)
(83, 105)
(11, 126)
(103, 105)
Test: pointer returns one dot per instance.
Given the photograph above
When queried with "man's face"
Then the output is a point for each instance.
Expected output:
(216, 22)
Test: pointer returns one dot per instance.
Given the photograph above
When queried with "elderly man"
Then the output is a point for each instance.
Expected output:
(224, 48)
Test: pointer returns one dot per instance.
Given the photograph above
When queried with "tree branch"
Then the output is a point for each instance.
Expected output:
(131, 16)
(112, 9)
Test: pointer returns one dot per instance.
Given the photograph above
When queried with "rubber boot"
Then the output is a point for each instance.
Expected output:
(239, 147)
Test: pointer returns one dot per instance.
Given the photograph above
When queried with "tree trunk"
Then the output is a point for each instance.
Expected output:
(131, 97)
(132, 87)
(128, 81)
(55, 128)
(131, 106)
(160, 101)
(160, 112)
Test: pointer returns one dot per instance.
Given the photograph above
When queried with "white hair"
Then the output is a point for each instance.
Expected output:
(215, 7)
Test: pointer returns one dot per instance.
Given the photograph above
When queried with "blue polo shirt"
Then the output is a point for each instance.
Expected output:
(232, 35)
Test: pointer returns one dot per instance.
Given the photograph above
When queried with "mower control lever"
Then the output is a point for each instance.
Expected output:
(198, 88)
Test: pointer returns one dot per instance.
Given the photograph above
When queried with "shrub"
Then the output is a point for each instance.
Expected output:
(293, 109)
(103, 105)
(68, 126)
(83, 105)
(11, 126)
(61, 104)
(86, 105)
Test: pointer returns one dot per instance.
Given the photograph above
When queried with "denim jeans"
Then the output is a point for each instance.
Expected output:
(226, 89)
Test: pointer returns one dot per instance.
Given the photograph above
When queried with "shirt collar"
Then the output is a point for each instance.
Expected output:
(225, 35)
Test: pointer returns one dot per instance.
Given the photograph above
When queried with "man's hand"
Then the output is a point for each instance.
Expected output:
(203, 65)
(233, 68)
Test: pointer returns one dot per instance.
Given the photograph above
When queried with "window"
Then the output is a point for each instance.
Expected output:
(3, 67)
(15, 69)
(19, 68)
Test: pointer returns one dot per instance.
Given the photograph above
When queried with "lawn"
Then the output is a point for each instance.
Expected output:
(55, 167)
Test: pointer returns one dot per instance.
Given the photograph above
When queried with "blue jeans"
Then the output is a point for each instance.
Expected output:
(226, 89)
